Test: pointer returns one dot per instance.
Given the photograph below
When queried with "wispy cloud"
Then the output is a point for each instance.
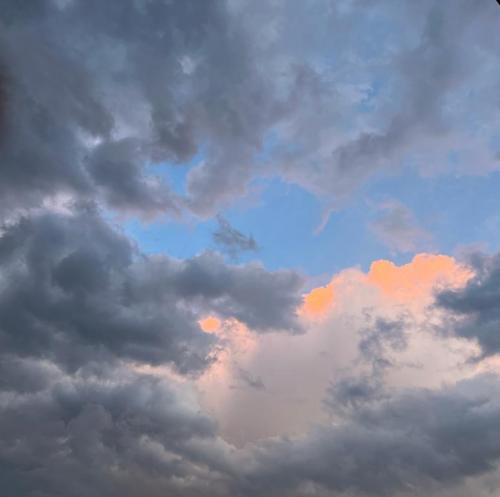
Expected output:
(397, 228)
(232, 241)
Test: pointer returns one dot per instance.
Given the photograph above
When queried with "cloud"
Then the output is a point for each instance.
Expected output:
(408, 283)
(94, 94)
(250, 380)
(371, 332)
(398, 446)
(352, 392)
(210, 324)
(231, 240)
(264, 301)
(80, 411)
(473, 309)
(111, 360)
(402, 89)
(414, 282)
(319, 301)
(398, 229)
(74, 290)
(116, 167)
(383, 334)
(117, 434)
(84, 315)
(125, 433)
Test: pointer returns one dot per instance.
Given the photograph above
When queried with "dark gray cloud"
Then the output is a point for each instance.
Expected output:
(74, 290)
(80, 309)
(116, 167)
(265, 301)
(124, 433)
(352, 392)
(119, 435)
(411, 443)
(475, 309)
(69, 294)
(95, 92)
(232, 241)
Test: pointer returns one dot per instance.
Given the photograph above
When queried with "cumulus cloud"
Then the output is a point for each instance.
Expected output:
(133, 434)
(366, 332)
(119, 434)
(83, 313)
(72, 289)
(72, 292)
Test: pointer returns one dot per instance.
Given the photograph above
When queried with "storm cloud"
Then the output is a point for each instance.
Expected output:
(102, 104)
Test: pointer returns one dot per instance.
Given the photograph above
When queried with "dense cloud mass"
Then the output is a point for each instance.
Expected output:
(95, 93)
(81, 309)
(137, 435)
(474, 310)
(74, 290)
(401, 445)
(101, 345)
(103, 436)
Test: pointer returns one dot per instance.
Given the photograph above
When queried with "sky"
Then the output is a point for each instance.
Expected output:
(249, 248)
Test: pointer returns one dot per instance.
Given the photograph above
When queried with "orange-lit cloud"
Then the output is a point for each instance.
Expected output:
(418, 278)
(409, 283)
(210, 324)
(335, 320)
(318, 301)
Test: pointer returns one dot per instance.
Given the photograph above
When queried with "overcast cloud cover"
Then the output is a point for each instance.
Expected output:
(130, 373)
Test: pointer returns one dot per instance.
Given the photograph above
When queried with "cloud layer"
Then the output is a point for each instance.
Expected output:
(93, 94)
(128, 374)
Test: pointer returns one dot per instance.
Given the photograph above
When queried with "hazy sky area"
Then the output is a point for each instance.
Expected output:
(249, 248)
